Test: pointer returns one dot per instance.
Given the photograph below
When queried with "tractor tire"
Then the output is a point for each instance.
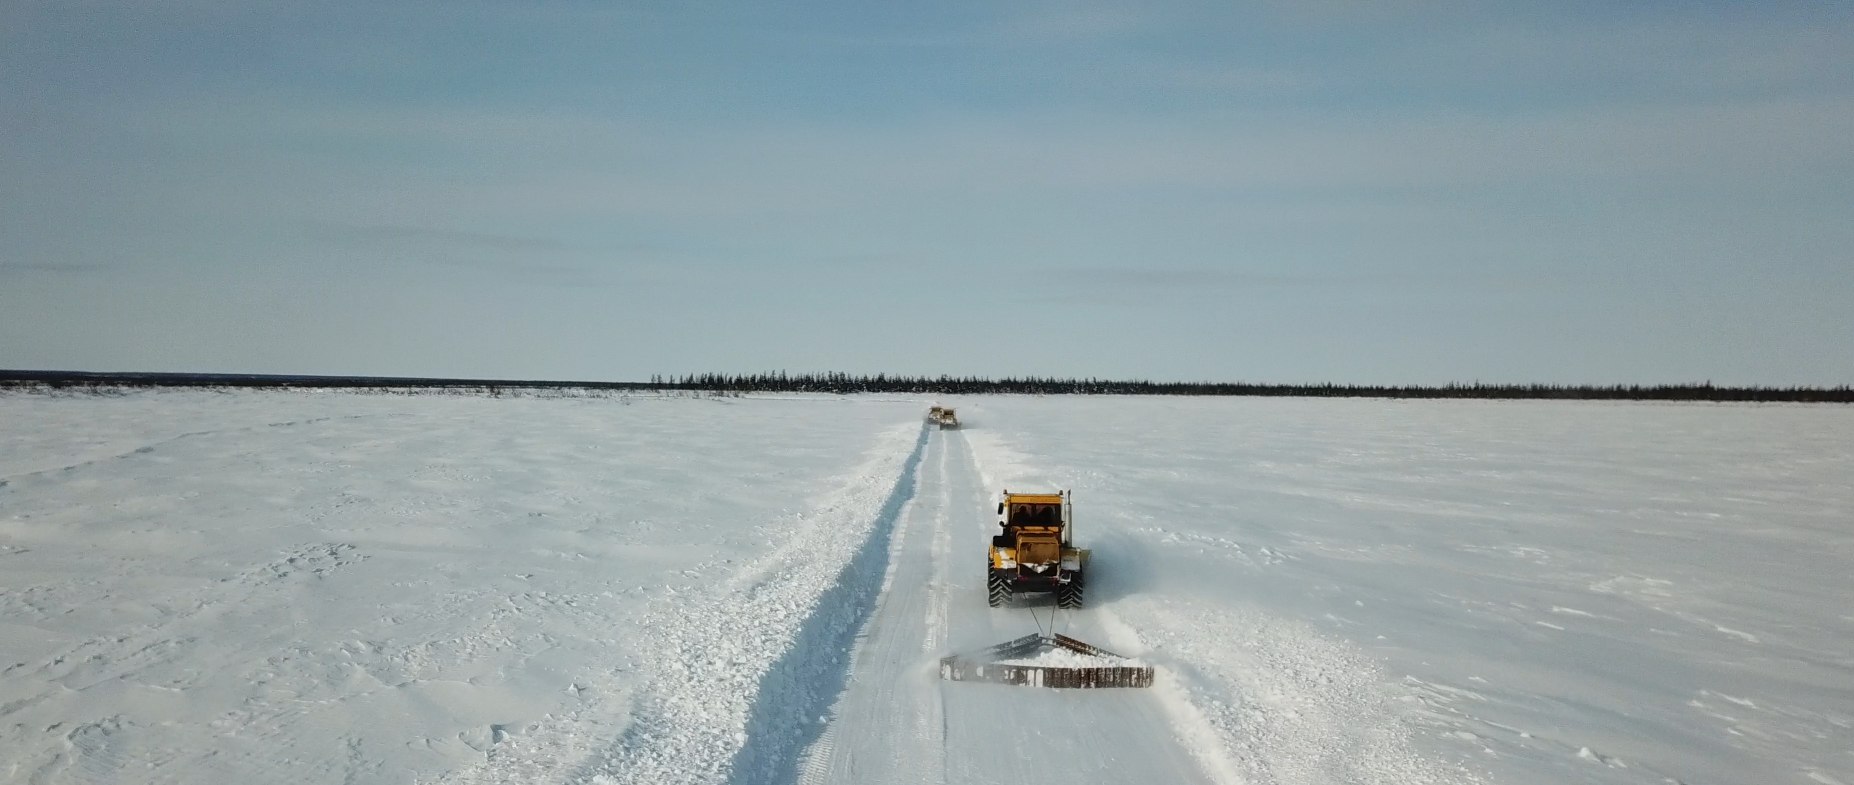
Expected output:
(997, 590)
(1069, 595)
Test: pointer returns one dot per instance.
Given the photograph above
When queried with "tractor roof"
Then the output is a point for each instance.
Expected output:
(1033, 498)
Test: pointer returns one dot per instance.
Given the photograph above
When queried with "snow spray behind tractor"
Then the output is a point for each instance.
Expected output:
(1036, 553)
(1057, 661)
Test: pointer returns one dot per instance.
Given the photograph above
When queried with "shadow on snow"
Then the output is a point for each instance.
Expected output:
(803, 684)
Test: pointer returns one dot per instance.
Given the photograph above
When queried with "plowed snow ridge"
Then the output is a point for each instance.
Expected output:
(328, 588)
(755, 664)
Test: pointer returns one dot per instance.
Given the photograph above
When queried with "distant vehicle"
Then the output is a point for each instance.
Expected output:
(943, 416)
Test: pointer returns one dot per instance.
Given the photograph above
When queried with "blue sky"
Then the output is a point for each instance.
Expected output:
(1277, 191)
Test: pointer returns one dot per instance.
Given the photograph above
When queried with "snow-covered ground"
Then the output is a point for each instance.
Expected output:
(334, 587)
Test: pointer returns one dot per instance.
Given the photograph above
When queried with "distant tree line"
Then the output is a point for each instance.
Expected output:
(108, 383)
(837, 382)
(845, 383)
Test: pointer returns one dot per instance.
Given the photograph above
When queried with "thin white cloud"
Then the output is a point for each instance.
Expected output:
(56, 268)
(399, 235)
(1300, 151)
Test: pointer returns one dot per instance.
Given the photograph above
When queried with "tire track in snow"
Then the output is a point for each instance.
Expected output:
(750, 669)
(147, 449)
(935, 638)
(888, 685)
(818, 664)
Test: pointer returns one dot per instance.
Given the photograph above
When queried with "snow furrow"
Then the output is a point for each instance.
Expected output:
(887, 695)
(748, 674)
(472, 590)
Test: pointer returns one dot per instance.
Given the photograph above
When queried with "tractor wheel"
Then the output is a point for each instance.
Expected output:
(1069, 595)
(998, 590)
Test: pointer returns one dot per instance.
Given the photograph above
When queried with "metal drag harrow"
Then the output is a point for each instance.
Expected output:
(992, 665)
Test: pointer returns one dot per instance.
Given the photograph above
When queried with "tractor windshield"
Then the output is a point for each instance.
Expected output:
(1035, 515)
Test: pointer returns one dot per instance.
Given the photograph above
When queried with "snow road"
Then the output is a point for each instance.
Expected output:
(896, 721)
(325, 588)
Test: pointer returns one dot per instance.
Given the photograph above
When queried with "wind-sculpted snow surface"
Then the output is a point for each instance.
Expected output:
(1379, 591)
(322, 588)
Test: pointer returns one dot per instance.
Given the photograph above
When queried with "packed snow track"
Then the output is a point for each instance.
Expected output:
(897, 721)
(337, 588)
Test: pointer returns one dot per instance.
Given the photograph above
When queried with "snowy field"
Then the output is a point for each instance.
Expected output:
(336, 587)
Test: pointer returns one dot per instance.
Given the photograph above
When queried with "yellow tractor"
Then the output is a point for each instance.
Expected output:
(1035, 552)
(943, 416)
